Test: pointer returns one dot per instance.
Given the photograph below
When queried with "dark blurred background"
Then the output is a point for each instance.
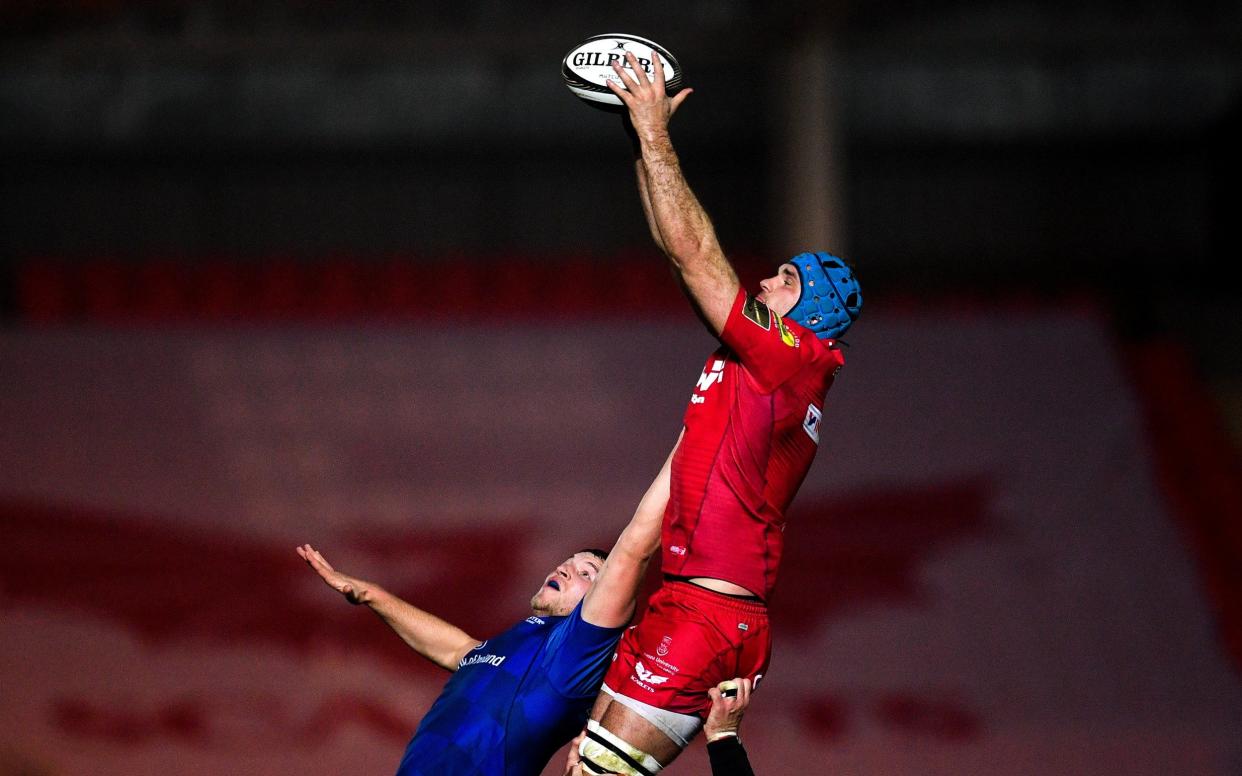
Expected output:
(1046, 146)
(196, 166)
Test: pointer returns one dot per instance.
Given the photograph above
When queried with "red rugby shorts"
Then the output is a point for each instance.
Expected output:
(689, 640)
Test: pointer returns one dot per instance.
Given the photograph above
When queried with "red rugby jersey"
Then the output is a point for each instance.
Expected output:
(752, 429)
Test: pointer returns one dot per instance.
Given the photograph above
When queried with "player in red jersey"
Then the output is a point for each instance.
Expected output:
(750, 433)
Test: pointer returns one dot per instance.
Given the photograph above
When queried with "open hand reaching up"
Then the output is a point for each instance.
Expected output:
(354, 589)
(646, 99)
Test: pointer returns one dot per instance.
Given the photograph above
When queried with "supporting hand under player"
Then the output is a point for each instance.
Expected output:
(726, 713)
(727, 757)
(724, 749)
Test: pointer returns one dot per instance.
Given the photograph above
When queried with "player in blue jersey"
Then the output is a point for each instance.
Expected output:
(517, 697)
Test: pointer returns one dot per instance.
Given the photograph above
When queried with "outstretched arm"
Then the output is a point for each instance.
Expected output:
(438, 641)
(678, 222)
(610, 601)
(640, 173)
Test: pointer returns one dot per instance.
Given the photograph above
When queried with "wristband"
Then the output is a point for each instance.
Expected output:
(722, 735)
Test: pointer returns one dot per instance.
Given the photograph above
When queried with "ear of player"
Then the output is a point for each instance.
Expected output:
(587, 68)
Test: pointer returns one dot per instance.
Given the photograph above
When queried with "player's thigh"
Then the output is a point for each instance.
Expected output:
(627, 725)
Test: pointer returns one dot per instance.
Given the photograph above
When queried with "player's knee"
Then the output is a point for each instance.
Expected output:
(604, 753)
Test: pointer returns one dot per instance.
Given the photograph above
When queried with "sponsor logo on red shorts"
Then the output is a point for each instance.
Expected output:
(646, 679)
(662, 663)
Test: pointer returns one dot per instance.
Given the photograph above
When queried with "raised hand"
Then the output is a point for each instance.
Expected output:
(649, 105)
(352, 588)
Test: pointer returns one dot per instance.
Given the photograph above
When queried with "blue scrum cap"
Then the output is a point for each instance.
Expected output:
(831, 297)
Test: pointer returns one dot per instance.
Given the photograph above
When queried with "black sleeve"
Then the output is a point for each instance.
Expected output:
(729, 758)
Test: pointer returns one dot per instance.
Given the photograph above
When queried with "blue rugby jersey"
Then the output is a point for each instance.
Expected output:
(514, 700)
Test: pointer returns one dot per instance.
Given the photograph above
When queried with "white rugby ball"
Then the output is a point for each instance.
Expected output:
(587, 68)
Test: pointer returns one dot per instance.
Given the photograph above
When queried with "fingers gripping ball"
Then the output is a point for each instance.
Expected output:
(587, 68)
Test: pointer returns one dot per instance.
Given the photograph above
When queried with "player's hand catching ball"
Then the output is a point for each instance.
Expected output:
(649, 105)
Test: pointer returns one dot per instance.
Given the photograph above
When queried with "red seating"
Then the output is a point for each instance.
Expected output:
(342, 288)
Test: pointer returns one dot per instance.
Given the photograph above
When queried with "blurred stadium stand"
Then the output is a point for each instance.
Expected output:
(1032, 146)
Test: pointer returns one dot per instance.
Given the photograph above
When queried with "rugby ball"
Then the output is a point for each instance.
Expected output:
(587, 68)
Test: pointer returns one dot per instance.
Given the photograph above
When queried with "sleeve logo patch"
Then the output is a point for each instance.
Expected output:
(757, 313)
(810, 424)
